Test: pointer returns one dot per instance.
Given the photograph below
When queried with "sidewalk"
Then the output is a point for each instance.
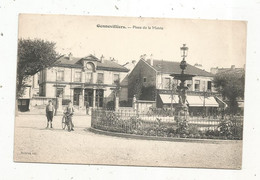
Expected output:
(35, 143)
(36, 111)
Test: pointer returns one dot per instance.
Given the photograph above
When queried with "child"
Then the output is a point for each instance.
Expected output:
(49, 113)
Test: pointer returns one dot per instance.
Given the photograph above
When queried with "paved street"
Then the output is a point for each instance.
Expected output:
(34, 143)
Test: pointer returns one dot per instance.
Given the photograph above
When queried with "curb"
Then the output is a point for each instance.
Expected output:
(59, 114)
(156, 138)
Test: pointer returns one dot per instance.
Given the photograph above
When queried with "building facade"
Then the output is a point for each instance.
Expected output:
(82, 80)
(156, 73)
(31, 90)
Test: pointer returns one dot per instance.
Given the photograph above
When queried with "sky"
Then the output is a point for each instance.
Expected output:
(211, 43)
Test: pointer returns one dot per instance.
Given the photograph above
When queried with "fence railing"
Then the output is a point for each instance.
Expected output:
(129, 121)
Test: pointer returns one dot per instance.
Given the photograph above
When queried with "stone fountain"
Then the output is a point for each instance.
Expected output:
(182, 111)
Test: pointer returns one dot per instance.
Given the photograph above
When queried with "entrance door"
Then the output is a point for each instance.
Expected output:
(99, 97)
(76, 96)
(88, 96)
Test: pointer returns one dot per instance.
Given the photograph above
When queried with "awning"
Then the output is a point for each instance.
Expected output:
(166, 98)
(194, 101)
(221, 103)
(199, 101)
(211, 102)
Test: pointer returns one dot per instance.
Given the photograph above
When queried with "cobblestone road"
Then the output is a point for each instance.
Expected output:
(34, 143)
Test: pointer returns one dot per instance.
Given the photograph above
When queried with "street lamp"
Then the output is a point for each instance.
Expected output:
(182, 108)
(54, 69)
(184, 51)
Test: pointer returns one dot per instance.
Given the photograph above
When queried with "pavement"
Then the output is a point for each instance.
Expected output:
(35, 143)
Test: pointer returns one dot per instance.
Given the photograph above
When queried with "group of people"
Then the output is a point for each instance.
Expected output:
(50, 111)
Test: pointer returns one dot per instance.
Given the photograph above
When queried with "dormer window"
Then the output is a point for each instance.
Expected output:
(89, 66)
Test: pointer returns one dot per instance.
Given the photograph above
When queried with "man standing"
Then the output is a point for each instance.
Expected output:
(69, 113)
(49, 113)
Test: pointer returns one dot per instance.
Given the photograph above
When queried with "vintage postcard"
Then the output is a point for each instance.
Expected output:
(130, 91)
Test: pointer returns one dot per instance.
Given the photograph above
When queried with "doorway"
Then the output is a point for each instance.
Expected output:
(88, 97)
(76, 94)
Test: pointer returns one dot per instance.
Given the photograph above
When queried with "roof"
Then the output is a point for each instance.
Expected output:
(172, 67)
(231, 71)
(75, 62)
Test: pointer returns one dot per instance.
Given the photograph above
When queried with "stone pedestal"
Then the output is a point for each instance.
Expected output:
(94, 98)
(182, 118)
(117, 103)
(134, 105)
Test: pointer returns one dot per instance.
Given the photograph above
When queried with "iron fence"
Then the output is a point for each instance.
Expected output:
(130, 121)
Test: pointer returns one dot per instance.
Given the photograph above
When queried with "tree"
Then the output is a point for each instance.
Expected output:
(33, 56)
(231, 86)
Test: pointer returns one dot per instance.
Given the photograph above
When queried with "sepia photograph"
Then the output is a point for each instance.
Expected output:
(130, 91)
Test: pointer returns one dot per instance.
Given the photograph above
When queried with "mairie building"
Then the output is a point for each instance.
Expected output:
(80, 80)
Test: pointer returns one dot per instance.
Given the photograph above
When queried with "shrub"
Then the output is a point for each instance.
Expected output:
(182, 127)
(225, 128)
(193, 129)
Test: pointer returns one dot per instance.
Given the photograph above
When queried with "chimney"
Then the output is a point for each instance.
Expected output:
(134, 62)
(143, 57)
(233, 67)
(70, 56)
(102, 59)
(151, 59)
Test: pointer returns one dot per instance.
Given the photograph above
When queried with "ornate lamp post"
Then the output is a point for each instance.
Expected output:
(181, 115)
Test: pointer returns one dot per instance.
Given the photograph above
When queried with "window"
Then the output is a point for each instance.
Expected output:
(24, 102)
(197, 85)
(167, 83)
(89, 66)
(209, 85)
(116, 78)
(77, 76)
(59, 92)
(42, 90)
(100, 78)
(89, 77)
(60, 76)
(144, 79)
(189, 84)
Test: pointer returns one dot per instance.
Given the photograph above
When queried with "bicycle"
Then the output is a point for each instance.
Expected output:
(65, 121)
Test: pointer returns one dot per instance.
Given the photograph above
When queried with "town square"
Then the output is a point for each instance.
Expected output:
(163, 106)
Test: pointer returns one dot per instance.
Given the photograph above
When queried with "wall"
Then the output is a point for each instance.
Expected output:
(202, 80)
(48, 81)
(40, 101)
(144, 106)
(141, 70)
